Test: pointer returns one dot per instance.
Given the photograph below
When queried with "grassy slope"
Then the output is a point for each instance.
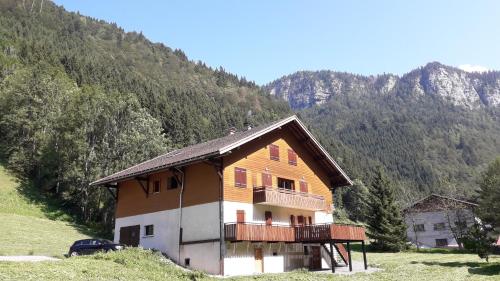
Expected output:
(30, 226)
(136, 264)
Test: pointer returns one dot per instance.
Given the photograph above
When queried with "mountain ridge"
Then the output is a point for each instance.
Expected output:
(303, 89)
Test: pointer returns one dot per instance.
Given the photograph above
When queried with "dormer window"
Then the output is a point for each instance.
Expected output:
(274, 152)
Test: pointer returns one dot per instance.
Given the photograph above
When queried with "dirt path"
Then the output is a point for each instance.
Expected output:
(27, 258)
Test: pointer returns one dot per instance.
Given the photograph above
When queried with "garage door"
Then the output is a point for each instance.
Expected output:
(129, 235)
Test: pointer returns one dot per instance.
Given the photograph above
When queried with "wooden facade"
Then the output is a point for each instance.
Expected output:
(260, 163)
(135, 198)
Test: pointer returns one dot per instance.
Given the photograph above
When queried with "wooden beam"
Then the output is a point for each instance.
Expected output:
(364, 254)
(331, 258)
(349, 253)
(144, 188)
(115, 196)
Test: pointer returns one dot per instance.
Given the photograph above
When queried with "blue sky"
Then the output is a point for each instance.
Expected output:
(264, 40)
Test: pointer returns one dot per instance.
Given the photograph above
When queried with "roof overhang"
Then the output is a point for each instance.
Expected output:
(338, 177)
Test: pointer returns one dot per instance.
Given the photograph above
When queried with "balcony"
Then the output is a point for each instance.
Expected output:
(288, 198)
(326, 232)
(258, 232)
(316, 233)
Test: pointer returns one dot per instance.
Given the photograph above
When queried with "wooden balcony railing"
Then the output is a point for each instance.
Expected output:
(258, 232)
(288, 198)
(322, 232)
(315, 233)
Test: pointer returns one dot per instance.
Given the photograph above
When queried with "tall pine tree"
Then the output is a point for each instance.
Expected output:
(489, 194)
(385, 222)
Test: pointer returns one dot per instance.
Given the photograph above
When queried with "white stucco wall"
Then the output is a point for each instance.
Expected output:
(240, 257)
(204, 256)
(200, 222)
(281, 216)
(428, 219)
(166, 231)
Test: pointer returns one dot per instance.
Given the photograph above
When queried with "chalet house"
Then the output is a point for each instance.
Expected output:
(253, 201)
(438, 221)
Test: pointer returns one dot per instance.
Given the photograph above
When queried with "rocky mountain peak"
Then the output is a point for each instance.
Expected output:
(471, 90)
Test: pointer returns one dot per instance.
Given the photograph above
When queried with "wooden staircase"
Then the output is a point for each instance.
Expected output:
(342, 252)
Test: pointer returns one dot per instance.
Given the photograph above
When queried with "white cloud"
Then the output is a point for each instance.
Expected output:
(473, 68)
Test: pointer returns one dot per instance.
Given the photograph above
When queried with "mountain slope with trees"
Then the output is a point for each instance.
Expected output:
(81, 98)
(434, 129)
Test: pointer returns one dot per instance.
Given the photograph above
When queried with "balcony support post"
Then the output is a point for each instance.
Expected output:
(349, 254)
(364, 254)
(331, 258)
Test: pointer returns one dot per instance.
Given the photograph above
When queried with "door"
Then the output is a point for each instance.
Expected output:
(259, 261)
(129, 235)
(269, 217)
(315, 262)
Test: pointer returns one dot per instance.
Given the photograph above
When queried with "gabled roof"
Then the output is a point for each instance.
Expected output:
(221, 146)
(434, 202)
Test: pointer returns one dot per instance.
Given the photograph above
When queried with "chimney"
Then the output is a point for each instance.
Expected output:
(232, 130)
(248, 125)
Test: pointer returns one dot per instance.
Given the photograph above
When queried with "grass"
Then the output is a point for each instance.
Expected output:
(138, 264)
(32, 225)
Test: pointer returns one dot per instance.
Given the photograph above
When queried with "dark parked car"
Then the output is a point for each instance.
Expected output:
(90, 246)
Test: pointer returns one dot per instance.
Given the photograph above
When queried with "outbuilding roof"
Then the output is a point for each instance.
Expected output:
(221, 146)
(436, 202)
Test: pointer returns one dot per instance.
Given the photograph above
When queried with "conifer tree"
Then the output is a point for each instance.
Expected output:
(489, 195)
(385, 222)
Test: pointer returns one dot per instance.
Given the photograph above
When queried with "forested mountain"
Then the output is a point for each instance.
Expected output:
(80, 98)
(433, 129)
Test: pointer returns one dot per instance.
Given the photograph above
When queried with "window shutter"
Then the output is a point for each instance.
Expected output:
(267, 180)
(240, 216)
(240, 177)
(303, 187)
(292, 157)
(274, 152)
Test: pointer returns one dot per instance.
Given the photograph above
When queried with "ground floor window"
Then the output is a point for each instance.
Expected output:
(441, 242)
(149, 230)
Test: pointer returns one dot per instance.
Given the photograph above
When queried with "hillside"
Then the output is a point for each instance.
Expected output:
(31, 225)
(433, 129)
(81, 98)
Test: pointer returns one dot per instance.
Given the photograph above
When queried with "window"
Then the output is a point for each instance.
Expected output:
(269, 218)
(156, 187)
(240, 216)
(303, 186)
(300, 220)
(310, 220)
(172, 182)
(419, 228)
(267, 180)
(187, 261)
(240, 177)
(439, 226)
(461, 224)
(286, 184)
(149, 230)
(292, 157)
(292, 220)
(274, 152)
(441, 242)
(306, 250)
